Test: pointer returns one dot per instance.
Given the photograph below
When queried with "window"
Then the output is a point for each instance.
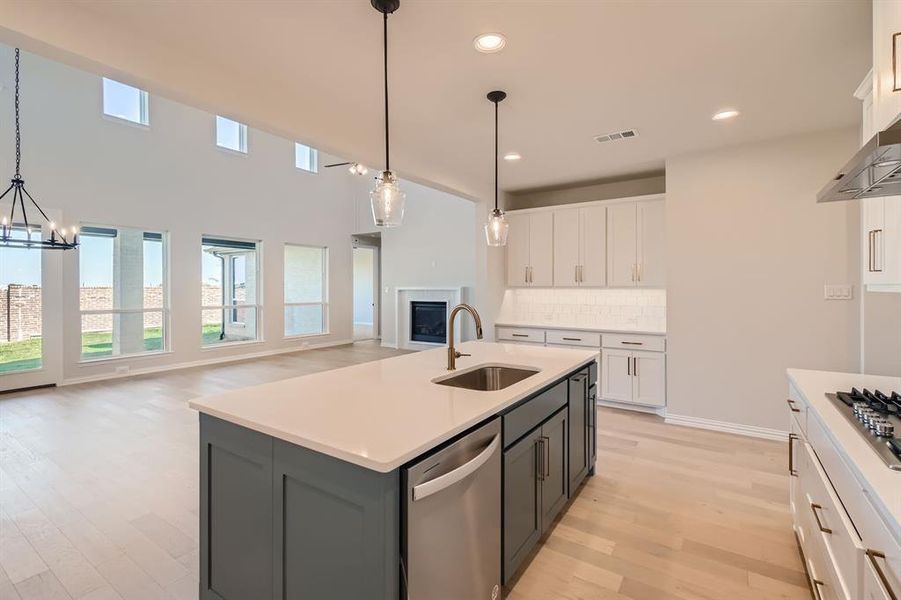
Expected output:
(123, 295)
(125, 102)
(231, 134)
(306, 158)
(306, 290)
(230, 291)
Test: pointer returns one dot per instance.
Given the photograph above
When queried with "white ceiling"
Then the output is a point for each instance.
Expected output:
(311, 70)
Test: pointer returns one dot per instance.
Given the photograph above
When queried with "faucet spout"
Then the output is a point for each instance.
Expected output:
(452, 354)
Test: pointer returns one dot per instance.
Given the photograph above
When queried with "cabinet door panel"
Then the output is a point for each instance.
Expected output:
(554, 481)
(522, 502)
(541, 248)
(649, 375)
(235, 528)
(566, 247)
(651, 244)
(579, 423)
(517, 250)
(622, 244)
(616, 375)
(593, 235)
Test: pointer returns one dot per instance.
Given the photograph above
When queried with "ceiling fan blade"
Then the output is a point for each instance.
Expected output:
(338, 164)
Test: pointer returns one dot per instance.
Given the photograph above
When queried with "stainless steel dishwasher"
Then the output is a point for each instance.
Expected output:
(451, 538)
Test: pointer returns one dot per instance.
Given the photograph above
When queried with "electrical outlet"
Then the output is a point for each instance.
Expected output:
(838, 292)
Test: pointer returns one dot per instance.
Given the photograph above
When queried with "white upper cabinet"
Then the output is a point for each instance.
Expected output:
(530, 249)
(619, 243)
(636, 244)
(580, 246)
(881, 243)
(651, 244)
(622, 244)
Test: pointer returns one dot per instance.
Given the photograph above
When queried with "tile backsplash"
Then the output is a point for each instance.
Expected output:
(638, 309)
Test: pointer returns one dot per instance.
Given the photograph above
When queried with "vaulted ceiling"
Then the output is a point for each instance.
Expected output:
(311, 70)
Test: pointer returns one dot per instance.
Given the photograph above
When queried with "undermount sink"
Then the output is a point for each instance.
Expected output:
(487, 378)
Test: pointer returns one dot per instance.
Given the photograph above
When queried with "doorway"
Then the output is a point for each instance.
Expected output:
(29, 315)
(366, 288)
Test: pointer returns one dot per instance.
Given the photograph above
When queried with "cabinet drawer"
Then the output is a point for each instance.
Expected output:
(883, 562)
(654, 343)
(518, 334)
(797, 407)
(528, 415)
(573, 338)
(841, 549)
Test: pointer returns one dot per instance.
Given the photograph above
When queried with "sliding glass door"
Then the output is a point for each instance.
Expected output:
(29, 315)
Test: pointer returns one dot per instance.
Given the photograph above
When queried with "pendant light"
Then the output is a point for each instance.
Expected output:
(496, 228)
(8, 225)
(386, 198)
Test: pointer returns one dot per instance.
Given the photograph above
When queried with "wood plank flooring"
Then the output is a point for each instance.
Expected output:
(98, 498)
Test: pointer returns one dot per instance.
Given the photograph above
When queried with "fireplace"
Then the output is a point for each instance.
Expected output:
(428, 322)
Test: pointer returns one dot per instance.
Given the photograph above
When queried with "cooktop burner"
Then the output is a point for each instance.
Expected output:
(877, 417)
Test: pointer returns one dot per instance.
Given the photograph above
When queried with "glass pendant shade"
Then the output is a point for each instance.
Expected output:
(496, 228)
(387, 201)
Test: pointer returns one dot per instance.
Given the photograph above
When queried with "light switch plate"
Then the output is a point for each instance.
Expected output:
(838, 292)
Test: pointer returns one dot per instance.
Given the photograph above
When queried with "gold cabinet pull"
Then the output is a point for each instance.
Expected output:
(816, 516)
(816, 588)
(635, 366)
(791, 455)
(791, 405)
(872, 555)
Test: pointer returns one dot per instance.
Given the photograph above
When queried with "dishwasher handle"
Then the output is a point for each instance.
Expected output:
(424, 490)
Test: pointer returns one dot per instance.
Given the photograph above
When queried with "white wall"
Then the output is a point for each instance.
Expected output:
(748, 253)
(436, 246)
(172, 177)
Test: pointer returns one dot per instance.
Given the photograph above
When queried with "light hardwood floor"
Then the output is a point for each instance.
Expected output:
(98, 498)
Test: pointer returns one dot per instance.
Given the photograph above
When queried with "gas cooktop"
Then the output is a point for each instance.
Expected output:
(877, 417)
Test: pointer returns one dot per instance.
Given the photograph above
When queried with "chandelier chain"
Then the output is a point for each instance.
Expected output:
(18, 131)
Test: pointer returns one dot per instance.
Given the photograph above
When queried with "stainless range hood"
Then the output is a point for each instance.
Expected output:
(875, 170)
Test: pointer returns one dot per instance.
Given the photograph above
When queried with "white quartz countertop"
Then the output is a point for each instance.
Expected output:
(884, 483)
(597, 329)
(382, 414)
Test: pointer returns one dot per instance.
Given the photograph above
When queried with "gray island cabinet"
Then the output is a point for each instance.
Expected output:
(279, 520)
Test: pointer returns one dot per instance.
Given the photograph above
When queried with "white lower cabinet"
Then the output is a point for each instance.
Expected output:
(633, 366)
(848, 550)
(633, 376)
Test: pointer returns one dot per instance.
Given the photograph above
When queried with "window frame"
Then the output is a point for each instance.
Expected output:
(165, 310)
(324, 303)
(143, 105)
(257, 306)
(314, 158)
(243, 136)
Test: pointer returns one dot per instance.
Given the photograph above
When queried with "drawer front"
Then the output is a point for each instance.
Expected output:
(797, 406)
(883, 561)
(845, 484)
(519, 334)
(654, 343)
(830, 523)
(573, 338)
(528, 415)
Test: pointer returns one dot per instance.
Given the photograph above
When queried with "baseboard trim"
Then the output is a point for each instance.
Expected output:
(200, 363)
(660, 411)
(727, 427)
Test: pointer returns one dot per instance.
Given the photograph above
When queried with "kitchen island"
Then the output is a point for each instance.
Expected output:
(302, 481)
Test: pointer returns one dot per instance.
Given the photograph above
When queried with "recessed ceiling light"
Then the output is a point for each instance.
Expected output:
(725, 114)
(490, 42)
(512, 156)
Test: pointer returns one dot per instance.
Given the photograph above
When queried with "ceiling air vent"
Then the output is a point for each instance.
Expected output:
(616, 136)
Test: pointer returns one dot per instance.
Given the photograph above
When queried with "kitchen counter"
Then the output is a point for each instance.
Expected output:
(380, 415)
(883, 483)
(596, 329)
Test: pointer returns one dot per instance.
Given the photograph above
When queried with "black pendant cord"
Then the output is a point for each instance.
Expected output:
(387, 136)
(495, 157)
